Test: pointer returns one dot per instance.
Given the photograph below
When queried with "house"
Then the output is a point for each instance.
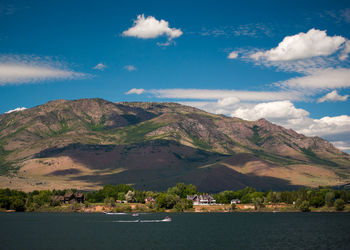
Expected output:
(235, 201)
(68, 197)
(194, 199)
(206, 199)
(203, 199)
(71, 197)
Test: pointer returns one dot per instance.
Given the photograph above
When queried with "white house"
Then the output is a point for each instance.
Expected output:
(205, 199)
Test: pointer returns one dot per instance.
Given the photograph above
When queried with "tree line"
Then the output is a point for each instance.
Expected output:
(176, 197)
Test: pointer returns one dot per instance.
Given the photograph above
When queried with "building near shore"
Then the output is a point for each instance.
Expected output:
(203, 199)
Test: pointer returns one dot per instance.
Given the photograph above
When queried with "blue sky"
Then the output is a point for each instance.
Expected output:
(289, 62)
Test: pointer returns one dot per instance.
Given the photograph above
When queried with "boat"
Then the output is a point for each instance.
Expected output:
(135, 214)
(167, 219)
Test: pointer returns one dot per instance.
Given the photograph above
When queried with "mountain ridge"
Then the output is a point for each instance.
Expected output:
(269, 150)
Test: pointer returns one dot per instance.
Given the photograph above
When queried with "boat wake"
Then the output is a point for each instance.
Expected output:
(167, 219)
(140, 221)
(115, 213)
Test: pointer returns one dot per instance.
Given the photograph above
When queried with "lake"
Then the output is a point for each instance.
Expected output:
(186, 231)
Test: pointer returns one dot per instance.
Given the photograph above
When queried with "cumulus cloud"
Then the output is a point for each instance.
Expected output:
(29, 69)
(135, 91)
(327, 126)
(150, 27)
(15, 110)
(100, 66)
(301, 46)
(233, 55)
(320, 79)
(271, 110)
(333, 97)
(130, 68)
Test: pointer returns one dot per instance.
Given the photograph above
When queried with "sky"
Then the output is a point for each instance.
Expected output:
(287, 63)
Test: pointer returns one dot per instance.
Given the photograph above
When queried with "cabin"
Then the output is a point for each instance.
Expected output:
(235, 201)
(203, 199)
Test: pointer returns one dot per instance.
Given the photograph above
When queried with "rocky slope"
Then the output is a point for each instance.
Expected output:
(89, 142)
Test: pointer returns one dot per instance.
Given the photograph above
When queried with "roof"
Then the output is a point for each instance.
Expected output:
(206, 197)
(192, 197)
(79, 195)
(69, 194)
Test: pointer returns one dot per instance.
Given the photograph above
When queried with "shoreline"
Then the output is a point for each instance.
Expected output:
(130, 208)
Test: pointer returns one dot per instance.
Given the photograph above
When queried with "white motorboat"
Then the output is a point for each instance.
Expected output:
(167, 219)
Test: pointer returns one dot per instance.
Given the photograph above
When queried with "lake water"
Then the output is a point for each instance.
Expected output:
(186, 231)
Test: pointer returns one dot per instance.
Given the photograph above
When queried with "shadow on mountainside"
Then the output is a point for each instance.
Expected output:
(157, 165)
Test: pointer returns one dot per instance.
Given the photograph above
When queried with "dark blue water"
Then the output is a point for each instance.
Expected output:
(186, 231)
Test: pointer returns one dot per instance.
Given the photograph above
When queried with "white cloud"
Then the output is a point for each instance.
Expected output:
(232, 55)
(228, 101)
(345, 14)
(301, 46)
(150, 27)
(100, 66)
(284, 113)
(327, 126)
(29, 69)
(345, 53)
(270, 110)
(250, 30)
(130, 68)
(338, 15)
(135, 91)
(333, 97)
(327, 78)
(216, 94)
(342, 145)
(15, 110)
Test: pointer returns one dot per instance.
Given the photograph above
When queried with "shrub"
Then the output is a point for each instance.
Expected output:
(18, 204)
(329, 199)
(304, 206)
(339, 205)
(233, 206)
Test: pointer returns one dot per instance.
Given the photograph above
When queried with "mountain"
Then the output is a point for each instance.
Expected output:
(90, 142)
